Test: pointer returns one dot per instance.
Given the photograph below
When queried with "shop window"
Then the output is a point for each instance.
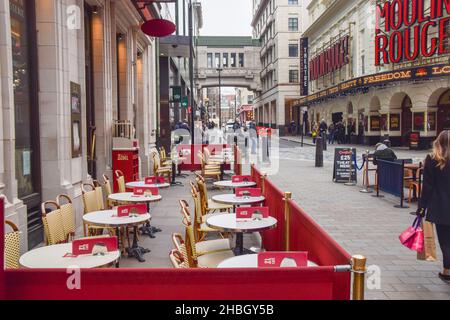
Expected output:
(293, 76)
(293, 24)
(225, 60)
(210, 60)
(419, 121)
(432, 121)
(394, 122)
(233, 60)
(375, 123)
(241, 60)
(217, 60)
(293, 50)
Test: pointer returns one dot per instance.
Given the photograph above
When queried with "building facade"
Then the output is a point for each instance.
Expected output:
(382, 72)
(69, 69)
(279, 25)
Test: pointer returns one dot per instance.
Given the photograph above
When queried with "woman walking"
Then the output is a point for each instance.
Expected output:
(435, 200)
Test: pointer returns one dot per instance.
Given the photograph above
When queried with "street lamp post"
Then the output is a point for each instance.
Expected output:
(220, 97)
(191, 70)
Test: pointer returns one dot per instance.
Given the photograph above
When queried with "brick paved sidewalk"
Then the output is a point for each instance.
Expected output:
(361, 224)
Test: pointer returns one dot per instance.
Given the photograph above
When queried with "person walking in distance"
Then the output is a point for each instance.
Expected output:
(435, 200)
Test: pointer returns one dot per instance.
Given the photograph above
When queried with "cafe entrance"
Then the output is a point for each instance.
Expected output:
(407, 120)
(443, 116)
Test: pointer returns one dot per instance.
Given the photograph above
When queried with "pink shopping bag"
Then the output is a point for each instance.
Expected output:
(413, 237)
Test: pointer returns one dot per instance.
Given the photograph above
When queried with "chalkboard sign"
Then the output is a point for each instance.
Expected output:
(343, 165)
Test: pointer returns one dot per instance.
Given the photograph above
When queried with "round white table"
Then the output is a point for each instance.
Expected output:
(52, 257)
(109, 218)
(229, 223)
(141, 184)
(247, 261)
(129, 197)
(231, 199)
(233, 185)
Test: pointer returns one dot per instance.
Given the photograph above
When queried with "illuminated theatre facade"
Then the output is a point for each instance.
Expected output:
(380, 67)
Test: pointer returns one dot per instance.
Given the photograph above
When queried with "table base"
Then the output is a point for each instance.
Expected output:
(136, 251)
(150, 230)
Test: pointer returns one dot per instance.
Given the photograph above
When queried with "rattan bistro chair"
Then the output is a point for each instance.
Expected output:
(177, 260)
(68, 216)
(108, 190)
(120, 178)
(12, 246)
(159, 170)
(208, 205)
(208, 260)
(53, 223)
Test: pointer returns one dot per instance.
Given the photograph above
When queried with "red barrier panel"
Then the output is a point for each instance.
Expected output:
(174, 284)
(192, 162)
(256, 176)
(273, 240)
(306, 235)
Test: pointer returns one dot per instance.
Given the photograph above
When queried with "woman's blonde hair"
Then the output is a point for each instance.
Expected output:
(441, 149)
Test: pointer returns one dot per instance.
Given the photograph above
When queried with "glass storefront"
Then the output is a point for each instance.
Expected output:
(27, 159)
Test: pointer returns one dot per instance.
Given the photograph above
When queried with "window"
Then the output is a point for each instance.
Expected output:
(293, 76)
(217, 60)
(292, 2)
(293, 50)
(363, 64)
(225, 60)
(293, 24)
(241, 60)
(210, 60)
(233, 60)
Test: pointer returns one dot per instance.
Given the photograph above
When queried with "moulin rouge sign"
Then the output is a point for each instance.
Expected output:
(406, 30)
(331, 59)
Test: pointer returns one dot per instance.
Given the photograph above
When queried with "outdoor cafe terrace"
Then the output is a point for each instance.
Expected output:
(215, 223)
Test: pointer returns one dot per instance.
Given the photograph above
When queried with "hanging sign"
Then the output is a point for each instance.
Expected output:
(304, 67)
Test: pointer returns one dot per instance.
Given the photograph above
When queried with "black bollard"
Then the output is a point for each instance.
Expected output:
(319, 152)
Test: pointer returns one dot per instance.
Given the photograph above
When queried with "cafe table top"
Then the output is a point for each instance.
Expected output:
(232, 199)
(53, 257)
(228, 223)
(109, 218)
(129, 197)
(247, 261)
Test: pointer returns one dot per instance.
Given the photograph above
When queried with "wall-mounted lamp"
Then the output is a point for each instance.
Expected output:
(95, 9)
(120, 36)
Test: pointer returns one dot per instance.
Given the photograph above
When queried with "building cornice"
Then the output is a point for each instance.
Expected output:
(326, 16)
(262, 6)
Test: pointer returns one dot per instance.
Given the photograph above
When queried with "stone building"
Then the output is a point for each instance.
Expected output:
(69, 69)
(279, 25)
(407, 91)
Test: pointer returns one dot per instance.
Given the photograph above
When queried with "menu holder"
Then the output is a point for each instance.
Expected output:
(252, 213)
(282, 259)
(145, 191)
(94, 246)
(134, 209)
(155, 180)
(248, 192)
(241, 179)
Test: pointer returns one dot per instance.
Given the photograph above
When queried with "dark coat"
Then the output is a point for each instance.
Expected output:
(436, 192)
(386, 154)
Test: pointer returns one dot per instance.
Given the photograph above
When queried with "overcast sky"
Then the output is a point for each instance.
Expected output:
(226, 18)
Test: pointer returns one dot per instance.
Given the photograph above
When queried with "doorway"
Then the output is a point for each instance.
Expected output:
(90, 101)
(27, 147)
(443, 116)
(406, 120)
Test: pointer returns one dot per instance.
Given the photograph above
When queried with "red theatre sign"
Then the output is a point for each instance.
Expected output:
(405, 30)
(331, 59)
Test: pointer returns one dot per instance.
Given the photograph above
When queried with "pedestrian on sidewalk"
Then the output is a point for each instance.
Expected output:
(435, 200)
(331, 133)
(314, 132)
